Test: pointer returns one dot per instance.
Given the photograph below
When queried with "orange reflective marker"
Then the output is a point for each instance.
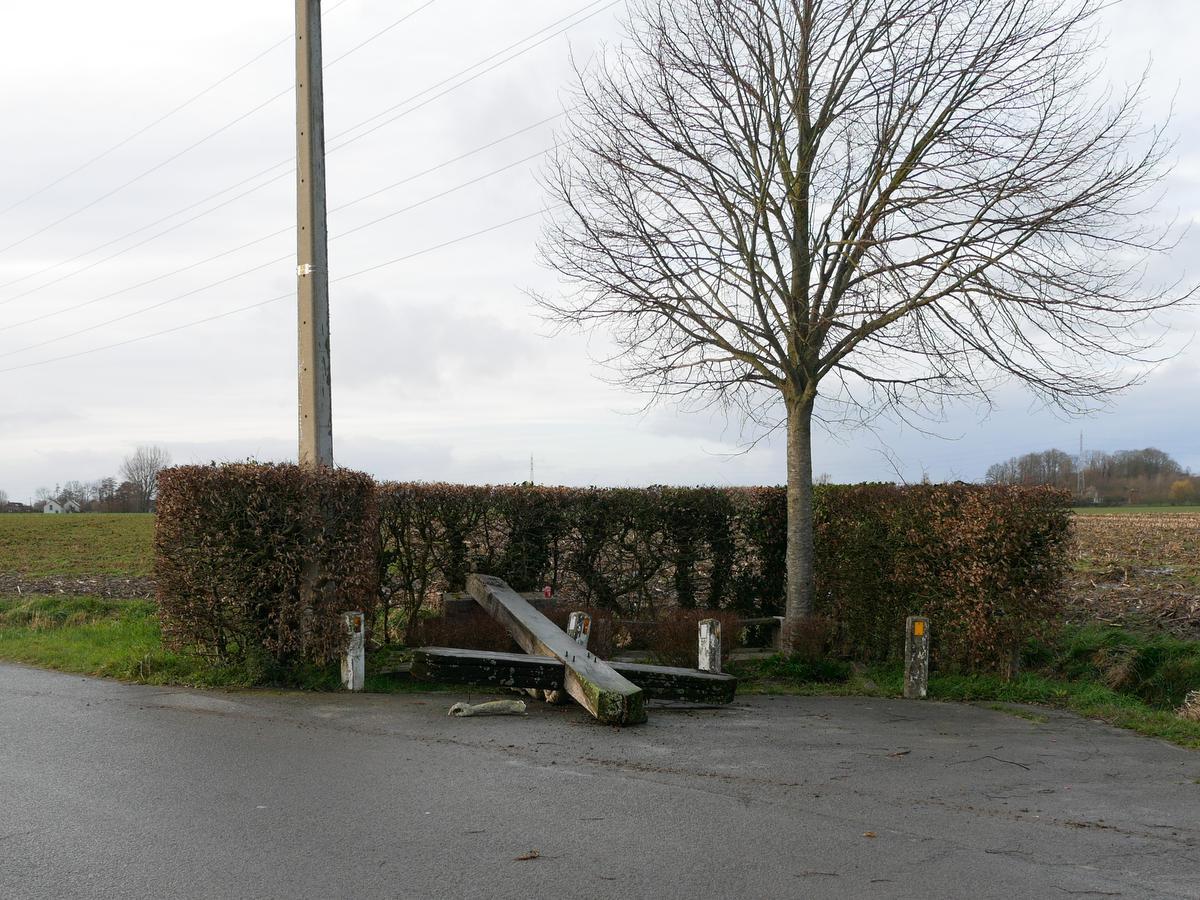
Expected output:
(918, 628)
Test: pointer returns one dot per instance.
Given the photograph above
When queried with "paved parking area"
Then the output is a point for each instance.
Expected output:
(110, 790)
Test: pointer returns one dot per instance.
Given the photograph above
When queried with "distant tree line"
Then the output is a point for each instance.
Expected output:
(134, 491)
(1126, 476)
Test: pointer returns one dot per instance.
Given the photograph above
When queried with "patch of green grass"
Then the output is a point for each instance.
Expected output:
(1087, 698)
(824, 671)
(94, 636)
(122, 639)
(33, 544)
(780, 675)
(1081, 695)
(1156, 668)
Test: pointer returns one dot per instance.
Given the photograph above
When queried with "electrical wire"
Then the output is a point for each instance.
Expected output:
(337, 147)
(191, 293)
(190, 147)
(374, 193)
(182, 106)
(447, 192)
(422, 252)
(153, 306)
(395, 184)
(142, 228)
(400, 21)
(459, 158)
(278, 298)
(123, 251)
(606, 6)
(144, 174)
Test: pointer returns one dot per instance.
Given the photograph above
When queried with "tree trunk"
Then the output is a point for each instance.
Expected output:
(800, 558)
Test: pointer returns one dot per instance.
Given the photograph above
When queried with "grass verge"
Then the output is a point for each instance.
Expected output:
(122, 639)
(1115, 676)
(94, 636)
(1082, 676)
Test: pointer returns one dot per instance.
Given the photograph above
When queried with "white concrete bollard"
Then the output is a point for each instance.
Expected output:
(710, 645)
(579, 627)
(777, 635)
(354, 656)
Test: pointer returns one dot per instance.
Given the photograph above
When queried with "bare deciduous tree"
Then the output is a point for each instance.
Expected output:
(874, 204)
(74, 492)
(141, 470)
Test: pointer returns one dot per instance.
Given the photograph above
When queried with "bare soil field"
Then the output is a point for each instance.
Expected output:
(1138, 569)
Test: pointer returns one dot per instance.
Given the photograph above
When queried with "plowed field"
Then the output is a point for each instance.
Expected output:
(1133, 568)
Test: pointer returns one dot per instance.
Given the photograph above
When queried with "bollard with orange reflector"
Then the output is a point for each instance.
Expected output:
(916, 658)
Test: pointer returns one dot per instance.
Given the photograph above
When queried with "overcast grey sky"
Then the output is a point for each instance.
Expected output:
(441, 368)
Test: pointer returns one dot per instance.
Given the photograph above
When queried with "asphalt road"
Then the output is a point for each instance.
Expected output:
(109, 790)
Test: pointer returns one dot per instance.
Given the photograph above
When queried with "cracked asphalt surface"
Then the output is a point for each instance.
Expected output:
(111, 790)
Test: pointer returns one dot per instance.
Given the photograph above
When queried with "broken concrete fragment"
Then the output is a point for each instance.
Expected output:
(491, 708)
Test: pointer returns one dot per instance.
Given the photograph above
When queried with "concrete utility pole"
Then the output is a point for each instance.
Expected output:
(312, 255)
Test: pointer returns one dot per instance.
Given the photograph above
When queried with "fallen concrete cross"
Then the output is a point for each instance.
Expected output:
(592, 682)
(670, 683)
(487, 668)
(490, 669)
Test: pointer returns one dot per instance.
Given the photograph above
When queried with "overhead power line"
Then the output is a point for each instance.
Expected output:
(458, 187)
(378, 34)
(179, 271)
(152, 306)
(575, 15)
(137, 134)
(131, 247)
(191, 293)
(287, 296)
(143, 174)
(171, 112)
(483, 62)
(465, 237)
(208, 137)
(139, 230)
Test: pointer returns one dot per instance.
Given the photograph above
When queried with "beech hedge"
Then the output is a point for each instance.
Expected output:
(231, 547)
(984, 563)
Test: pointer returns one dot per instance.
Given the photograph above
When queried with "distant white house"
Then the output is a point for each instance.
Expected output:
(53, 507)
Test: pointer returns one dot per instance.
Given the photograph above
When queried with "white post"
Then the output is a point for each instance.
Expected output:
(579, 627)
(777, 635)
(710, 645)
(354, 657)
